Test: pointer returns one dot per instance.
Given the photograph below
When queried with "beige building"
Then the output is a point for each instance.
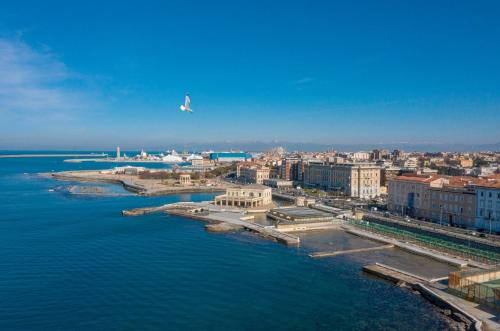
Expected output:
(247, 196)
(202, 165)
(360, 180)
(442, 199)
(454, 203)
(252, 173)
(462, 162)
(410, 195)
(466, 163)
(185, 179)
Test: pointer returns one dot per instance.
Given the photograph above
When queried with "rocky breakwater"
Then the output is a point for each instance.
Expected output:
(222, 227)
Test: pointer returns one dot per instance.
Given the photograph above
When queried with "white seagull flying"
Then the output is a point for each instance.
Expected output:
(187, 105)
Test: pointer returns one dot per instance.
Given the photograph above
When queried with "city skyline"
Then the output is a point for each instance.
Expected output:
(331, 74)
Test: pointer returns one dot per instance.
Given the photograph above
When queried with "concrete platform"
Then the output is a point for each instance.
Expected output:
(299, 214)
(460, 310)
(391, 275)
(349, 251)
(410, 247)
(239, 219)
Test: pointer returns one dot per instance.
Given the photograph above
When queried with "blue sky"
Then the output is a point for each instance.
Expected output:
(103, 73)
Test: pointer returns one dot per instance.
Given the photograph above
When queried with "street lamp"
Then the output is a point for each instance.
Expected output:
(441, 215)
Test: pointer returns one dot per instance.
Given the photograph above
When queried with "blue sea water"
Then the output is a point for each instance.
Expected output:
(74, 263)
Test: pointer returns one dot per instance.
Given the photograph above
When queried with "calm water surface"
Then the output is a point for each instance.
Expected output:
(72, 262)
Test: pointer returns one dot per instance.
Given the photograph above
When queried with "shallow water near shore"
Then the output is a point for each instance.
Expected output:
(73, 262)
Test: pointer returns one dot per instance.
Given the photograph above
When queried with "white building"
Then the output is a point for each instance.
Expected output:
(484, 171)
(411, 163)
(488, 205)
(127, 170)
(361, 156)
(247, 196)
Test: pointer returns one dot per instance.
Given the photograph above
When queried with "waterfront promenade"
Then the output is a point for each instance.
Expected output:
(207, 212)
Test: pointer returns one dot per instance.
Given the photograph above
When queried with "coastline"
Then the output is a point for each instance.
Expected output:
(132, 184)
(439, 303)
(115, 160)
(9, 156)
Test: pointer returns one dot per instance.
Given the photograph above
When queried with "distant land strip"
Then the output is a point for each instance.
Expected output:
(50, 155)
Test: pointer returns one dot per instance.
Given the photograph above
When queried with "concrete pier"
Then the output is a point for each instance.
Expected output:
(239, 219)
(143, 211)
(391, 275)
(349, 251)
(200, 206)
(458, 309)
(205, 211)
(412, 248)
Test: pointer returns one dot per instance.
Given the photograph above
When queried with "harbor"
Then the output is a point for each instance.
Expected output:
(250, 208)
(462, 313)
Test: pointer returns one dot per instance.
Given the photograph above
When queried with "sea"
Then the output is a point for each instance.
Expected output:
(73, 262)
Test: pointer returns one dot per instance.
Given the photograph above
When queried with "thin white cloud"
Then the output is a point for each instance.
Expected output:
(303, 80)
(33, 80)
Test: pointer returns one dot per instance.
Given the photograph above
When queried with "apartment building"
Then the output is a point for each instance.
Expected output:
(463, 201)
(360, 180)
(292, 169)
(454, 202)
(410, 195)
(488, 204)
(252, 173)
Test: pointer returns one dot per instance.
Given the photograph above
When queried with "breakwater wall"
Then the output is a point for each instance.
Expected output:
(436, 297)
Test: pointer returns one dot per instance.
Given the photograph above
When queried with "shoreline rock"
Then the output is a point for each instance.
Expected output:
(222, 227)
